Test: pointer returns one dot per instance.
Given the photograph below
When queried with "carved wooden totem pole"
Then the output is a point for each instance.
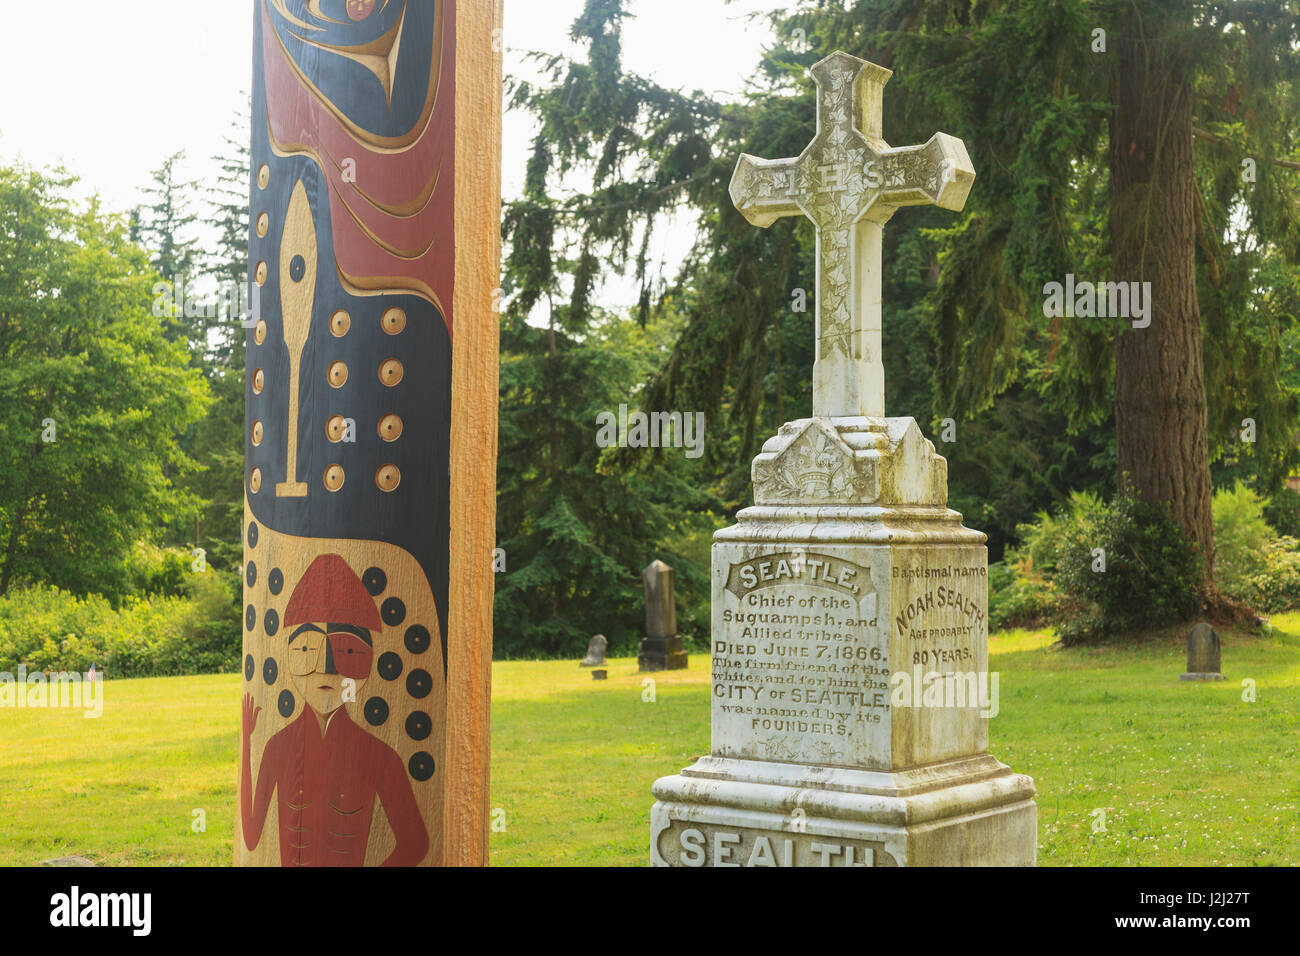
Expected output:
(371, 433)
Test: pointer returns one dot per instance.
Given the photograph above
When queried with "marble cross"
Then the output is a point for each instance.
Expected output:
(849, 181)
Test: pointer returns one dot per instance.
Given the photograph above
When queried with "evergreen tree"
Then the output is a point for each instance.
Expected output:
(1079, 139)
(165, 227)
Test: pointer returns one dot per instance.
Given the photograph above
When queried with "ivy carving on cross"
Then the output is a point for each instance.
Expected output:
(849, 182)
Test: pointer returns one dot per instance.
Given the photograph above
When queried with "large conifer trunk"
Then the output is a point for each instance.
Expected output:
(1160, 410)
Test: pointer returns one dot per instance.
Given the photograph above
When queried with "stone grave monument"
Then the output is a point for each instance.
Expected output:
(850, 694)
(1204, 654)
(595, 652)
(661, 650)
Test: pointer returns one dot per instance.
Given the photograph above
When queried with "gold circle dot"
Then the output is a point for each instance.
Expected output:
(391, 372)
(336, 428)
(260, 274)
(264, 176)
(259, 382)
(340, 323)
(257, 433)
(263, 224)
(388, 478)
(390, 428)
(338, 374)
(259, 331)
(394, 321)
(255, 480)
(334, 477)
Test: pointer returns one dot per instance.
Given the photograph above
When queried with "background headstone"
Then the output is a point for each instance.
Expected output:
(595, 652)
(661, 649)
(1204, 661)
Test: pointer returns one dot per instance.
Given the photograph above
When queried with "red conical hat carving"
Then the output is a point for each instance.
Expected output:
(331, 592)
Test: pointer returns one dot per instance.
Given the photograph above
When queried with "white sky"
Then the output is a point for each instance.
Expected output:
(110, 94)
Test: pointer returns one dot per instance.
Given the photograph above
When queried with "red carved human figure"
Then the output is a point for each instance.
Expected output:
(325, 771)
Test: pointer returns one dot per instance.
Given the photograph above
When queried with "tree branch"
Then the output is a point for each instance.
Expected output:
(1211, 138)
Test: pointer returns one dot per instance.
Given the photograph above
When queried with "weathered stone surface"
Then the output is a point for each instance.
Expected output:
(660, 600)
(851, 693)
(721, 812)
(599, 674)
(1203, 654)
(69, 861)
(595, 652)
(850, 687)
(661, 650)
(849, 182)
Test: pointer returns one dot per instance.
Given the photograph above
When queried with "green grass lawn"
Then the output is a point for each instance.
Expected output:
(1185, 773)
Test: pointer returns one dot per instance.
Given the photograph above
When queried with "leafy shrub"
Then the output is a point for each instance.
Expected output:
(1241, 537)
(1151, 576)
(1053, 576)
(1020, 596)
(1044, 542)
(158, 571)
(1022, 589)
(1275, 587)
(1282, 511)
(52, 630)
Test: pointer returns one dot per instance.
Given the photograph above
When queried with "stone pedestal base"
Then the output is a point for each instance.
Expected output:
(1200, 677)
(972, 811)
(662, 654)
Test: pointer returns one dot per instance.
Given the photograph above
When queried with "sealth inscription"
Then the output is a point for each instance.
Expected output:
(692, 844)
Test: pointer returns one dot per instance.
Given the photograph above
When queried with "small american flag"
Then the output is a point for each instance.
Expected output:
(90, 675)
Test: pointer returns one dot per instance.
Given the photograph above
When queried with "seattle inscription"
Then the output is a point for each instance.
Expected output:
(800, 666)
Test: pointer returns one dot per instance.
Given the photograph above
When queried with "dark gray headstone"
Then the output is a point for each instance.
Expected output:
(660, 600)
(662, 648)
(600, 674)
(595, 652)
(1203, 654)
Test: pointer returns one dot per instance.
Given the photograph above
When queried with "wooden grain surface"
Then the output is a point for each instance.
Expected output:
(474, 427)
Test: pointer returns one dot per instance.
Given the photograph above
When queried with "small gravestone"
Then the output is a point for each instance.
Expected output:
(599, 674)
(662, 648)
(1203, 654)
(595, 652)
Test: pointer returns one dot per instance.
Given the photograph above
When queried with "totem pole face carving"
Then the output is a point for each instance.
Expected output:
(322, 657)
